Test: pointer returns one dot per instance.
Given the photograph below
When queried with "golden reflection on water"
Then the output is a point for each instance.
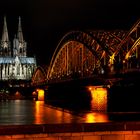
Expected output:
(98, 105)
(38, 111)
(96, 117)
(45, 114)
(98, 114)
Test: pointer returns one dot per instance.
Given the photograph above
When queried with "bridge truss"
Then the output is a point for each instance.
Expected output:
(87, 53)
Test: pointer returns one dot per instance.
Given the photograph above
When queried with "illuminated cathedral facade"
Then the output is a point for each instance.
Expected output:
(14, 63)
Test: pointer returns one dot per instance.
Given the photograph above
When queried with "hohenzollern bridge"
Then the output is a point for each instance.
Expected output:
(88, 53)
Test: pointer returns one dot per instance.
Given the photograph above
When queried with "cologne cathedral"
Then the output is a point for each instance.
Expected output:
(14, 62)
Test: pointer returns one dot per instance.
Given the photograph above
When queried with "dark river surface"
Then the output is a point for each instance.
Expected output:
(22, 112)
(104, 107)
(19, 112)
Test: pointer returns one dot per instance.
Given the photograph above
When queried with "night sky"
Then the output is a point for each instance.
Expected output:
(45, 22)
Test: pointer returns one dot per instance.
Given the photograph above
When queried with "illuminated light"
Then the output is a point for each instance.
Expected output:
(40, 94)
(102, 71)
(99, 98)
(18, 95)
(90, 118)
(90, 88)
(34, 93)
(112, 58)
(108, 86)
(123, 61)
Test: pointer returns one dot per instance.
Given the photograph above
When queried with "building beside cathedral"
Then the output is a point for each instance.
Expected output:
(14, 62)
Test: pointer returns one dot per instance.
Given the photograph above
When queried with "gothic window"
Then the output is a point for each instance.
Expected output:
(22, 70)
(5, 51)
(20, 51)
(8, 70)
(18, 69)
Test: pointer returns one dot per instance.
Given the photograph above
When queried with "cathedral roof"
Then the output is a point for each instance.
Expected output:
(23, 60)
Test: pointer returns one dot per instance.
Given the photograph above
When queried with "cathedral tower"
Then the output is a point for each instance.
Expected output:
(14, 62)
(19, 45)
(5, 47)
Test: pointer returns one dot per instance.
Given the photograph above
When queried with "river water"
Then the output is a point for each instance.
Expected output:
(19, 112)
(22, 112)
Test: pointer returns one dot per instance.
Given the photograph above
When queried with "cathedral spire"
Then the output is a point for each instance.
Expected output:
(5, 49)
(5, 37)
(19, 44)
(20, 34)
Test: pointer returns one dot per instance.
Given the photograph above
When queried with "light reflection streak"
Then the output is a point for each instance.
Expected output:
(96, 117)
(45, 114)
(38, 112)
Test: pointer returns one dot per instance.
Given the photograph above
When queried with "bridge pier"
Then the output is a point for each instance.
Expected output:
(78, 95)
(99, 100)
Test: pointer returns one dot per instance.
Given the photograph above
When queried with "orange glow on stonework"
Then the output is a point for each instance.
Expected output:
(99, 98)
(40, 94)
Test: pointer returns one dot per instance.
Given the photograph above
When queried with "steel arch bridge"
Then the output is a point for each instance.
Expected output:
(39, 76)
(87, 53)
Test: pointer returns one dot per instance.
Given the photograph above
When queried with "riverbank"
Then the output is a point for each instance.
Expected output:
(73, 131)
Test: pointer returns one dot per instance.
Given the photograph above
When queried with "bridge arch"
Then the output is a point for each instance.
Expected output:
(133, 48)
(126, 45)
(39, 76)
(102, 47)
(82, 39)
